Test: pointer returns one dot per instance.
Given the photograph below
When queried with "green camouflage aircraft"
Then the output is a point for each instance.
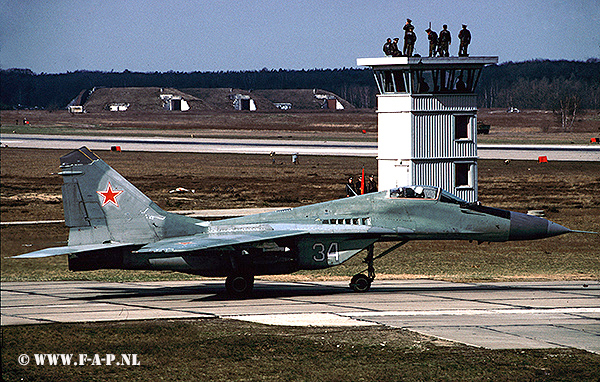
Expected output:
(113, 225)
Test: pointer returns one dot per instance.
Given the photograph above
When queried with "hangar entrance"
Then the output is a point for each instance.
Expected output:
(176, 104)
(245, 104)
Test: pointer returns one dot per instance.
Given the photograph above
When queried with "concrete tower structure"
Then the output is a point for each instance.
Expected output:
(427, 121)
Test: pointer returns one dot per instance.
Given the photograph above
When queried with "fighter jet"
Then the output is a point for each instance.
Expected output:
(113, 225)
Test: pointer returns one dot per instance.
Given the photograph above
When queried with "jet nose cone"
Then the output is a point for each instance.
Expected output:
(556, 229)
(527, 227)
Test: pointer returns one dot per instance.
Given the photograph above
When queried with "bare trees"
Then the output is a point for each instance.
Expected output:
(564, 87)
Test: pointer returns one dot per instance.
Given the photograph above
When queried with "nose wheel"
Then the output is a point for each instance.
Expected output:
(362, 283)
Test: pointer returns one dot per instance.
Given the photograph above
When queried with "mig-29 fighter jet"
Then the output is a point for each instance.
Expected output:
(115, 226)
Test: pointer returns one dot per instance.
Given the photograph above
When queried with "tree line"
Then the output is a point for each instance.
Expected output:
(25, 89)
(538, 84)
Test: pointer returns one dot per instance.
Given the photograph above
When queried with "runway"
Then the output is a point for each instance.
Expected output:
(281, 146)
(491, 315)
(194, 145)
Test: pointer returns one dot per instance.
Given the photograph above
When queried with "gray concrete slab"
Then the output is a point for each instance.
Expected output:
(557, 334)
(490, 315)
(486, 337)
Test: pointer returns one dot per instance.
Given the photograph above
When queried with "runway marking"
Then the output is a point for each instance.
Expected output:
(471, 312)
(353, 318)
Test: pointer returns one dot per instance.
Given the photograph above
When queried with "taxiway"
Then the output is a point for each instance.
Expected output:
(282, 146)
(491, 315)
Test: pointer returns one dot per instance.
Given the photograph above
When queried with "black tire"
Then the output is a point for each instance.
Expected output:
(360, 283)
(239, 286)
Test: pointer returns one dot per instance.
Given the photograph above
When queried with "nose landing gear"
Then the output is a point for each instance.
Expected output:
(362, 283)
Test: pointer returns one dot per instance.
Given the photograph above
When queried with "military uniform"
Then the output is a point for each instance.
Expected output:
(433, 42)
(371, 185)
(387, 47)
(409, 42)
(465, 39)
(395, 51)
(350, 190)
(408, 27)
(444, 41)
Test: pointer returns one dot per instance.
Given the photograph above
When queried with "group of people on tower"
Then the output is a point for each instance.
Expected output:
(438, 45)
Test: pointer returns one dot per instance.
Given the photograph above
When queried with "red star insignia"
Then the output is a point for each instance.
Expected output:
(110, 195)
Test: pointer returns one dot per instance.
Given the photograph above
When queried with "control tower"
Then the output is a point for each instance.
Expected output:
(427, 121)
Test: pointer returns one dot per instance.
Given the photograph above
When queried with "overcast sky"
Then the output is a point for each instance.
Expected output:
(182, 35)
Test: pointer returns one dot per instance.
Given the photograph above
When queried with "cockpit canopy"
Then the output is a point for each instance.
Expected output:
(425, 192)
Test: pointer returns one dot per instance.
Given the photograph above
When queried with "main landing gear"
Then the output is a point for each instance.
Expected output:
(239, 285)
(361, 282)
(240, 282)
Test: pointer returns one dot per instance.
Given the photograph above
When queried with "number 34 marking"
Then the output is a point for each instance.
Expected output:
(332, 252)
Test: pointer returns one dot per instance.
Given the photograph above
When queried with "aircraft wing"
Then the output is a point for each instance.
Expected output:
(213, 241)
(66, 250)
(252, 234)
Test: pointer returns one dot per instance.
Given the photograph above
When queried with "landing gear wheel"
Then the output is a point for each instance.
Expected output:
(360, 283)
(239, 286)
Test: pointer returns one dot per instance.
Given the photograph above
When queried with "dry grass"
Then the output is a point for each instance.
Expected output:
(568, 191)
(230, 350)
(537, 127)
(529, 126)
(225, 350)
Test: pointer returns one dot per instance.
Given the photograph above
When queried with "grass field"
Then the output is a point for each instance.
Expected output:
(529, 126)
(230, 350)
(226, 350)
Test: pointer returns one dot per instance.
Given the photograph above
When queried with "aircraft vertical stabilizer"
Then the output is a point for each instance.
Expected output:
(101, 206)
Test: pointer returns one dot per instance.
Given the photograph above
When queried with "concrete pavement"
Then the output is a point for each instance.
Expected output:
(281, 146)
(491, 315)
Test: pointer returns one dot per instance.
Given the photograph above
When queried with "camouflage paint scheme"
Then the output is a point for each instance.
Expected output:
(113, 225)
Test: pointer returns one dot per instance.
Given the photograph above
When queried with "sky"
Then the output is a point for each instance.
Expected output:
(57, 36)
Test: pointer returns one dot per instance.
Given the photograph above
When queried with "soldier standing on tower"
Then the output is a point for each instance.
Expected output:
(433, 42)
(465, 39)
(444, 41)
(409, 42)
(407, 27)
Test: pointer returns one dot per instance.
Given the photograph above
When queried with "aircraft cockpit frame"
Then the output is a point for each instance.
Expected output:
(426, 193)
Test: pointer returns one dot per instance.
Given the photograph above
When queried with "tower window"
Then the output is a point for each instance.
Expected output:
(391, 81)
(462, 126)
(463, 175)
